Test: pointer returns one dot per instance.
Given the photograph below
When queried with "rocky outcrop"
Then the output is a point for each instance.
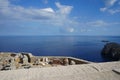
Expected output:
(111, 50)
(11, 61)
(24, 60)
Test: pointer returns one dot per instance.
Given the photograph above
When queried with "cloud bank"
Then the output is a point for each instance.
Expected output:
(14, 14)
(17, 19)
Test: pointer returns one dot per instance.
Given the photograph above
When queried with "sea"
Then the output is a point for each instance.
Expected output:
(83, 47)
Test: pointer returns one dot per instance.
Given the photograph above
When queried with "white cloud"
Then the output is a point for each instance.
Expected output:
(98, 23)
(109, 4)
(83, 30)
(71, 29)
(103, 9)
(10, 11)
(114, 11)
(101, 23)
(48, 10)
(48, 15)
(63, 9)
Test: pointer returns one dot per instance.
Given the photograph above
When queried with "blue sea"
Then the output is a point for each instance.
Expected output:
(84, 47)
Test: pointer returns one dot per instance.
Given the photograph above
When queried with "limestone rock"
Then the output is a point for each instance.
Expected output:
(30, 55)
(46, 60)
(66, 61)
(33, 60)
(72, 62)
(25, 59)
(56, 61)
(41, 63)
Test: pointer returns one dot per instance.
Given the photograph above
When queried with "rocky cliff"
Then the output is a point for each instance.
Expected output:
(111, 50)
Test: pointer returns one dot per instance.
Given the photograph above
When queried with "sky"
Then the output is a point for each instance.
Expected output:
(60, 17)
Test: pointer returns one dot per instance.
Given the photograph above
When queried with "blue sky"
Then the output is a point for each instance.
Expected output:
(60, 17)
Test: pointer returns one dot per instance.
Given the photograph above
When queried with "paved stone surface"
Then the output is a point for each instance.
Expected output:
(93, 71)
(117, 70)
